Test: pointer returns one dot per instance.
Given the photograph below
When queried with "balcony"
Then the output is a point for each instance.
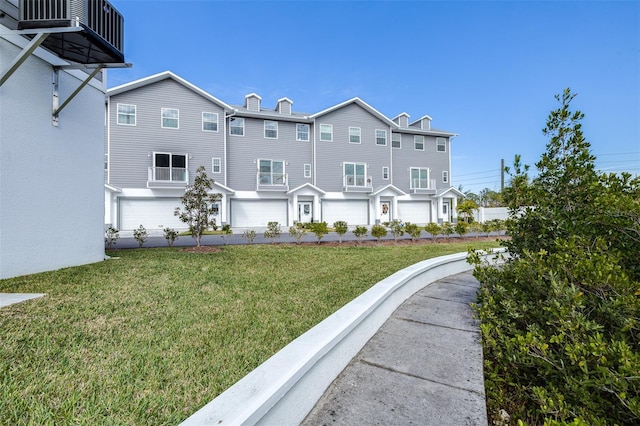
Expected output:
(82, 31)
(266, 181)
(167, 177)
(357, 183)
(423, 186)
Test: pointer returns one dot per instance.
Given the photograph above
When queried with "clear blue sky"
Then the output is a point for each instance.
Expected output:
(487, 70)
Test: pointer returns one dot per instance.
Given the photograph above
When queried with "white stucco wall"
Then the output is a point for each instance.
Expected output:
(51, 178)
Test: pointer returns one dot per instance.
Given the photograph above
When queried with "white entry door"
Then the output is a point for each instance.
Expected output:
(385, 211)
(305, 211)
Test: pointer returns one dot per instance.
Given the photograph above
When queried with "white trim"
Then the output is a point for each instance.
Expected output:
(399, 140)
(162, 118)
(385, 169)
(331, 133)
(441, 142)
(357, 130)
(135, 114)
(445, 176)
(415, 142)
(308, 132)
(231, 127)
(307, 173)
(270, 130)
(213, 165)
(209, 121)
(385, 137)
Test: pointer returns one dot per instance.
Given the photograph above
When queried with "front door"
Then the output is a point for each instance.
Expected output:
(385, 211)
(305, 211)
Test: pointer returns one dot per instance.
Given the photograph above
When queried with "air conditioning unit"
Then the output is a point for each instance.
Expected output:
(82, 31)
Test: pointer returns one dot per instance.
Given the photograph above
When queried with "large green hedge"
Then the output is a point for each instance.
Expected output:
(560, 320)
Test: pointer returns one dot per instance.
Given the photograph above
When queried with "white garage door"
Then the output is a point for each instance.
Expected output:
(248, 213)
(415, 211)
(152, 214)
(354, 212)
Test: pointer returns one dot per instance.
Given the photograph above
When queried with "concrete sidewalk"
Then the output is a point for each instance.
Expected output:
(423, 367)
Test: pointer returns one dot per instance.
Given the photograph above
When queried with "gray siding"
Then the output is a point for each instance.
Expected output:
(407, 157)
(133, 146)
(332, 155)
(244, 151)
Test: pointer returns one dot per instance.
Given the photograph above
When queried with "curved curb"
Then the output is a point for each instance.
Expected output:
(286, 387)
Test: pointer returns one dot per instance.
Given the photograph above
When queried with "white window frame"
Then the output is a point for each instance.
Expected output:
(445, 176)
(215, 166)
(326, 129)
(385, 173)
(300, 132)
(232, 127)
(416, 138)
(126, 114)
(355, 135)
(399, 140)
(441, 143)
(270, 173)
(355, 174)
(420, 169)
(270, 129)
(307, 170)
(171, 172)
(166, 111)
(381, 135)
(210, 117)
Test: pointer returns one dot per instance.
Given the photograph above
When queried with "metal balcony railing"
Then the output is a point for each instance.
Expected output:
(168, 174)
(272, 181)
(102, 25)
(423, 186)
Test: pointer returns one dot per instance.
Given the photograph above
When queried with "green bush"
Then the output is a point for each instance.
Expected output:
(560, 320)
(111, 236)
(378, 231)
(434, 229)
(171, 235)
(320, 229)
(273, 231)
(397, 228)
(413, 230)
(250, 235)
(341, 228)
(360, 232)
(297, 231)
(140, 235)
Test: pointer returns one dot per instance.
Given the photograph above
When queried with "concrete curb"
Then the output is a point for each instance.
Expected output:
(286, 387)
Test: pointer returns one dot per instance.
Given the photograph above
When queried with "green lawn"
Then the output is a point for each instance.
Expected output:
(151, 336)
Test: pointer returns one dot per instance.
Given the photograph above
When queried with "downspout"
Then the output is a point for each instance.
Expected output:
(313, 154)
(224, 146)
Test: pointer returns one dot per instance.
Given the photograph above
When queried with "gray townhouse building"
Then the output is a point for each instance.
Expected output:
(348, 162)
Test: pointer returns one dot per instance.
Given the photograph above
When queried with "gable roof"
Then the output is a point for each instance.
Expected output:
(451, 190)
(164, 76)
(361, 104)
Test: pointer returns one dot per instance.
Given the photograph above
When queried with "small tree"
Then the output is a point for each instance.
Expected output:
(196, 201)
(341, 228)
(447, 229)
(434, 229)
(298, 232)
(461, 228)
(360, 232)
(140, 235)
(170, 235)
(465, 210)
(378, 231)
(320, 229)
(111, 236)
(273, 231)
(413, 230)
(397, 228)
(250, 235)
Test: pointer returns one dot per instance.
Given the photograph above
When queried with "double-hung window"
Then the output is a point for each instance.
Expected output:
(271, 172)
(307, 170)
(126, 115)
(419, 178)
(385, 173)
(326, 132)
(381, 137)
(445, 176)
(216, 165)
(169, 167)
(170, 118)
(354, 134)
(396, 140)
(441, 144)
(355, 174)
(209, 122)
(418, 143)
(270, 129)
(302, 132)
(236, 126)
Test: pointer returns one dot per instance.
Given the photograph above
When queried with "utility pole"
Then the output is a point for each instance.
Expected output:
(502, 176)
